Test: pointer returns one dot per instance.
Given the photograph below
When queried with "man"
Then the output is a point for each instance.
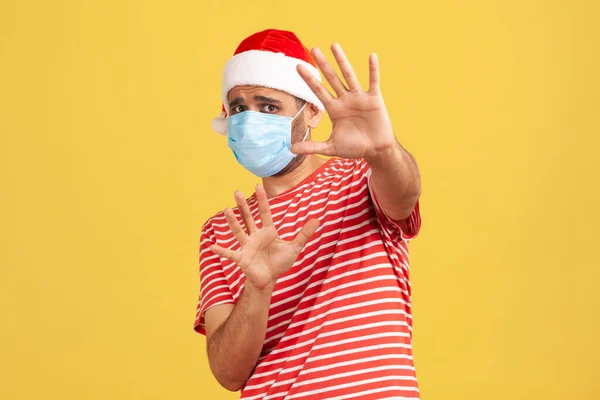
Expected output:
(305, 287)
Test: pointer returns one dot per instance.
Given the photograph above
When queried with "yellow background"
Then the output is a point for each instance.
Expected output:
(109, 169)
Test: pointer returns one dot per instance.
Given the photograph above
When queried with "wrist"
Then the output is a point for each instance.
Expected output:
(262, 291)
(383, 156)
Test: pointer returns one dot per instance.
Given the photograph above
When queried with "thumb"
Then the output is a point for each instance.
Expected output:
(305, 234)
(309, 147)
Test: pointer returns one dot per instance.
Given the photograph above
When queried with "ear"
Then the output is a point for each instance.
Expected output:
(312, 115)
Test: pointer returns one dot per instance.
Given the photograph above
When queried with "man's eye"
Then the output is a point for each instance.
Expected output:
(269, 108)
(238, 109)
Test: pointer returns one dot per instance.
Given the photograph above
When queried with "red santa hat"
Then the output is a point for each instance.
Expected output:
(268, 59)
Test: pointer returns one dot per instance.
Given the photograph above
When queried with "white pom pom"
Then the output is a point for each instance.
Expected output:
(219, 124)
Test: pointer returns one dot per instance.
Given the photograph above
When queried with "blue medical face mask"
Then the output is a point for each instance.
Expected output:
(261, 142)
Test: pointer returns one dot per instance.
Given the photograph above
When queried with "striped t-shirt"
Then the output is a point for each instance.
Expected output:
(340, 323)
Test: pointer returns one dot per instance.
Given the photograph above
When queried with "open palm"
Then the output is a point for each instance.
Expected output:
(263, 256)
(361, 124)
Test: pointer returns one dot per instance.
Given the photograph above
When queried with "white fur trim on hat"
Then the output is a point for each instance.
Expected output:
(268, 69)
(219, 124)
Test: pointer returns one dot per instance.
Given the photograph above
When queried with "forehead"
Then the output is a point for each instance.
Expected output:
(248, 92)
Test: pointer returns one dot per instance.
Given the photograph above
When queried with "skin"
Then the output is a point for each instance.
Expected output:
(361, 129)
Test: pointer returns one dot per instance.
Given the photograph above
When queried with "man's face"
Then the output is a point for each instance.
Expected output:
(271, 101)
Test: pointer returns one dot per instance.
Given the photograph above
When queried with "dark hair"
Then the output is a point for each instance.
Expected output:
(299, 102)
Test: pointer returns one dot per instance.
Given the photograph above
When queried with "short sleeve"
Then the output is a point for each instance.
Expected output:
(387, 223)
(214, 288)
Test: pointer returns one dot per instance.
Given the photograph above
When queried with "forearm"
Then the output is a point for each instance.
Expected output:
(234, 348)
(396, 181)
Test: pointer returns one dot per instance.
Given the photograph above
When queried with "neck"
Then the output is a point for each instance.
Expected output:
(277, 185)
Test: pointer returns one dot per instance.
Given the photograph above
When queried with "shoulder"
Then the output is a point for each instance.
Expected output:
(217, 224)
(211, 224)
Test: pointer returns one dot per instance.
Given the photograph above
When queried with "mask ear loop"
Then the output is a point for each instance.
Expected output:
(298, 113)
(305, 136)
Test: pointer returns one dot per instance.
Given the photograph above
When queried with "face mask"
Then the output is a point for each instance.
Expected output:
(261, 142)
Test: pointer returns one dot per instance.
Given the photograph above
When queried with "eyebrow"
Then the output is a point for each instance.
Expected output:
(235, 102)
(238, 100)
(267, 99)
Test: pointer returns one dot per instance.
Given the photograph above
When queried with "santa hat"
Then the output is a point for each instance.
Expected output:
(268, 59)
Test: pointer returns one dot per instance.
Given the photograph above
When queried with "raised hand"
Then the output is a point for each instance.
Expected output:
(263, 256)
(361, 124)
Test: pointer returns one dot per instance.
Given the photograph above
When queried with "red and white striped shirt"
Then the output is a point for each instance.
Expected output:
(340, 323)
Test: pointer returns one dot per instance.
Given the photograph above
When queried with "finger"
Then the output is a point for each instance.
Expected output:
(245, 212)
(234, 256)
(345, 67)
(263, 206)
(374, 74)
(235, 226)
(305, 234)
(314, 85)
(308, 147)
(329, 73)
